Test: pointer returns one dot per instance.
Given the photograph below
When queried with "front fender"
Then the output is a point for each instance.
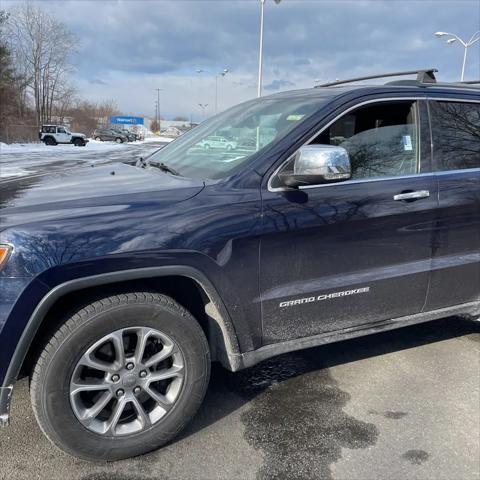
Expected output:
(218, 312)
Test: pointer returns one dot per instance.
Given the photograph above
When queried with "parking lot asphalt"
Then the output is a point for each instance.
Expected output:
(399, 405)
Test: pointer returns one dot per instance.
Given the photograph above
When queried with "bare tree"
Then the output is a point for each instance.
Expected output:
(42, 48)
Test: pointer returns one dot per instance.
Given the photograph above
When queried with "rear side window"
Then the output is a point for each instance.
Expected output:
(456, 135)
(382, 140)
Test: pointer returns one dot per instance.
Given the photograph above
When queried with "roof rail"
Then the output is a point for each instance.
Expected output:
(426, 75)
(471, 82)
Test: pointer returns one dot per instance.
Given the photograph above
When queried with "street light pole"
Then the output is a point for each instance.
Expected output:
(466, 44)
(216, 93)
(203, 106)
(222, 73)
(260, 50)
(465, 50)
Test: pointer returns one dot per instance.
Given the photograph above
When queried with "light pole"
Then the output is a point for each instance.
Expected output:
(199, 71)
(453, 38)
(203, 106)
(260, 50)
(222, 73)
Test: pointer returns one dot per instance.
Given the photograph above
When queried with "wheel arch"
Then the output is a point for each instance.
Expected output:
(49, 137)
(222, 335)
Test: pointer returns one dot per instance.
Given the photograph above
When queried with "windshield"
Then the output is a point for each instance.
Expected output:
(222, 144)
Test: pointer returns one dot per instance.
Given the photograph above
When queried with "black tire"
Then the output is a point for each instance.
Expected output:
(98, 139)
(50, 381)
(78, 142)
(119, 140)
(50, 141)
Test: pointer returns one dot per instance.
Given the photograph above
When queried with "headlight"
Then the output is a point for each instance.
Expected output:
(5, 252)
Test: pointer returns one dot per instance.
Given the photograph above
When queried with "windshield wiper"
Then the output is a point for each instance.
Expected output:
(144, 163)
(164, 168)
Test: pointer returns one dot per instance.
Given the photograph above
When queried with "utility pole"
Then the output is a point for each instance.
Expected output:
(158, 109)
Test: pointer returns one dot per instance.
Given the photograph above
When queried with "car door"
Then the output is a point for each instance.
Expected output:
(62, 136)
(456, 154)
(343, 255)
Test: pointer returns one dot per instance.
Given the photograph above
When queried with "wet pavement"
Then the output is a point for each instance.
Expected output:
(399, 405)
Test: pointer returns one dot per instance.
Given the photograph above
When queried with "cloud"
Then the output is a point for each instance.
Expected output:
(127, 49)
(97, 81)
(278, 84)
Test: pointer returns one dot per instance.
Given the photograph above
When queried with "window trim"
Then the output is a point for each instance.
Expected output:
(434, 162)
(417, 98)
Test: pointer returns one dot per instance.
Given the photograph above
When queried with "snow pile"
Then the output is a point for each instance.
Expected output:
(157, 138)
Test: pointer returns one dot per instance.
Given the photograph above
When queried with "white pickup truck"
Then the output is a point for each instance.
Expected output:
(55, 134)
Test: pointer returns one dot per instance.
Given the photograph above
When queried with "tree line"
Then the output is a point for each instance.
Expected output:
(36, 64)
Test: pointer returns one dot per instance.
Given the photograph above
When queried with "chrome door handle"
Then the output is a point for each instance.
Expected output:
(412, 195)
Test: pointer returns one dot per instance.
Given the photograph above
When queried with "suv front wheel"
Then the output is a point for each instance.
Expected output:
(122, 376)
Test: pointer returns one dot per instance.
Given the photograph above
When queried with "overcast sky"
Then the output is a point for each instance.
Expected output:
(127, 48)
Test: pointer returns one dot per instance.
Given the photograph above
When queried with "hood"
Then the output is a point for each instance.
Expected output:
(113, 184)
(77, 134)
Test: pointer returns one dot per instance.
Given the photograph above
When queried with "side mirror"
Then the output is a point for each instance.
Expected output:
(316, 164)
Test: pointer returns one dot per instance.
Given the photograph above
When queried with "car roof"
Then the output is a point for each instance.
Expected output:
(425, 81)
(331, 92)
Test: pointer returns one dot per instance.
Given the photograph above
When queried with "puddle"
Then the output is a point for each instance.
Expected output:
(296, 417)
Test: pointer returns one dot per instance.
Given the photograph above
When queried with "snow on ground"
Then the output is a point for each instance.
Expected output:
(157, 138)
(12, 171)
(91, 145)
(21, 159)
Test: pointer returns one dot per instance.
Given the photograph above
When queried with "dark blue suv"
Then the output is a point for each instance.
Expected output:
(345, 210)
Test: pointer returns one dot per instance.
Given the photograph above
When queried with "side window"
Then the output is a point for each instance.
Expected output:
(382, 139)
(60, 130)
(456, 135)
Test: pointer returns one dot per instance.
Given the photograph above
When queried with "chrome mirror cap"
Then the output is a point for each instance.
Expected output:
(316, 164)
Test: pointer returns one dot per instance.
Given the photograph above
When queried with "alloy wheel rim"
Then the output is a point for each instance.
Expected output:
(127, 381)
